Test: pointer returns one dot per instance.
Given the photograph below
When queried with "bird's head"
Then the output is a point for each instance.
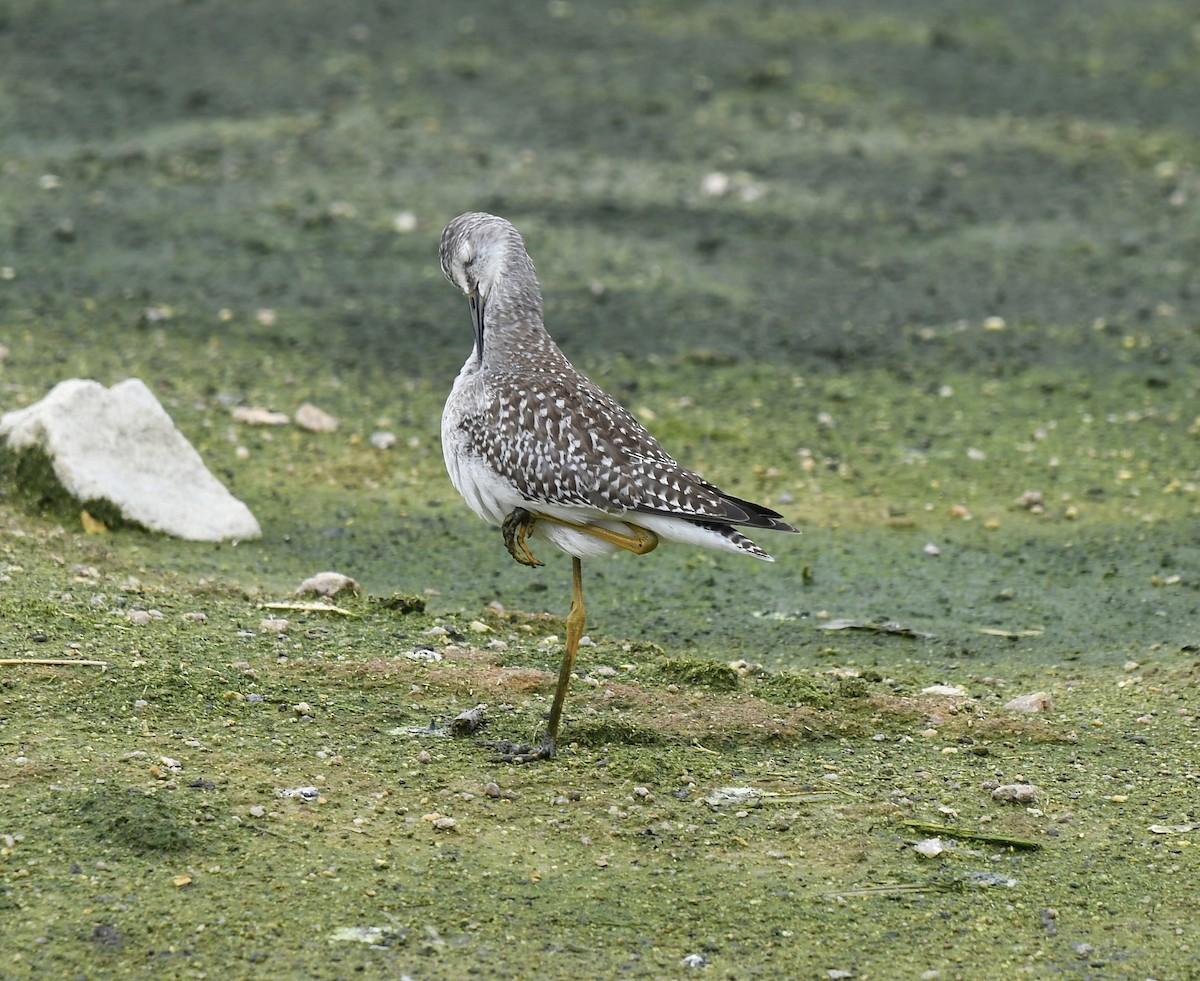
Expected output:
(478, 253)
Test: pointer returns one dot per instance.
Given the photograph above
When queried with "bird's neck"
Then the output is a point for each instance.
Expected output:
(513, 328)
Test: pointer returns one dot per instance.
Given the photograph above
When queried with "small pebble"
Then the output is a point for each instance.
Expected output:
(327, 584)
(315, 420)
(468, 721)
(382, 440)
(307, 794)
(1038, 701)
(258, 416)
(950, 690)
(1031, 500)
(1018, 793)
(273, 625)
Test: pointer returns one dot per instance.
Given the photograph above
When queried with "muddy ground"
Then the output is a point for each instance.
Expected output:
(923, 279)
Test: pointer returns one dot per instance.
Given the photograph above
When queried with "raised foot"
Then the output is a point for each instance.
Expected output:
(515, 528)
(509, 752)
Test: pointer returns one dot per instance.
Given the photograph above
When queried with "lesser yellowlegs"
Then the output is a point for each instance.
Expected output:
(537, 448)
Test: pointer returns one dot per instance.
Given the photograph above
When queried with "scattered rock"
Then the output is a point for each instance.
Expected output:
(119, 445)
(1032, 500)
(1038, 701)
(327, 584)
(951, 691)
(315, 420)
(375, 936)
(310, 795)
(1018, 793)
(255, 415)
(930, 847)
(469, 721)
(140, 617)
(382, 440)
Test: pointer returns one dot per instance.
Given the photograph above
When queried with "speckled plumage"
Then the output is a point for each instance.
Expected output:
(523, 428)
(536, 447)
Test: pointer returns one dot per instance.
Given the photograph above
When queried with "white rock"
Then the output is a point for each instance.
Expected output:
(314, 419)
(1018, 793)
(947, 690)
(327, 584)
(119, 445)
(255, 415)
(1038, 701)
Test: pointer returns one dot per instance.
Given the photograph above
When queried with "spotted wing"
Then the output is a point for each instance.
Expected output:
(566, 441)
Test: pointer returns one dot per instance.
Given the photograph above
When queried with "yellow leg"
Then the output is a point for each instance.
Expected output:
(520, 522)
(517, 527)
(508, 752)
(576, 621)
(639, 541)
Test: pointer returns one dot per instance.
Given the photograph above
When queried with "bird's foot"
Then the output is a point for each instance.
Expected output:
(515, 528)
(510, 752)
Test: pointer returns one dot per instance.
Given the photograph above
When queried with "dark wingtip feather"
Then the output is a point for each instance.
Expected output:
(755, 515)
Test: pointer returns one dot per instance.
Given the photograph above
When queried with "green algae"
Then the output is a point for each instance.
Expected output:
(133, 819)
(698, 674)
(822, 336)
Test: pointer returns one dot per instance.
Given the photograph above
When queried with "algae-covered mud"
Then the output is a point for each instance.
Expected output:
(921, 277)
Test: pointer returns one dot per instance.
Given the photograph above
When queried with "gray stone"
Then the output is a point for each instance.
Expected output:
(119, 445)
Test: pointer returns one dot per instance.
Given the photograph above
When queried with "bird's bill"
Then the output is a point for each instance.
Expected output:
(476, 303)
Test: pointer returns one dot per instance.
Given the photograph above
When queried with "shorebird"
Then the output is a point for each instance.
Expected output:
(537, 448)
